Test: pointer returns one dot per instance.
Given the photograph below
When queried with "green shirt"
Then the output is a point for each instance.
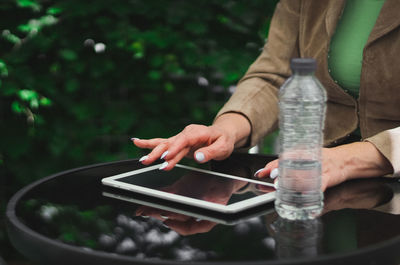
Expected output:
(347, 44)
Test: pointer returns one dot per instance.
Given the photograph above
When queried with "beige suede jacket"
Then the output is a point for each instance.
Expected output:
(303, 28)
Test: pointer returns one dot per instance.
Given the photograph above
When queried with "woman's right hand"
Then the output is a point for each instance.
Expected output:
(201, 142)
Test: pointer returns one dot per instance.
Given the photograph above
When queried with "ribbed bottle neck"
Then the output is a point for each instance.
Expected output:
(303, 73)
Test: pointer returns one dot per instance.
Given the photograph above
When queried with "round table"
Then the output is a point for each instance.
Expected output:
(68, 218)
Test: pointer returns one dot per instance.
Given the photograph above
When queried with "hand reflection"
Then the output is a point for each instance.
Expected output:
(196, 185)
(294, 239)
(182, 224)
(357, 194)
(212, 189)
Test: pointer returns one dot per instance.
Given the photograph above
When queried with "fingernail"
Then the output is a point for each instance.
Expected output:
(258, 171)
(164, 165)
(198, 220)
(143, 158)
(145, 216)
(274, 173)
(134, 138)
(199, 156)
(164, 154)
(276, 184)
(166, 226)
(164, 216)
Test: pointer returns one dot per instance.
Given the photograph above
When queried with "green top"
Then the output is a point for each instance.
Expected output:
(346, 48)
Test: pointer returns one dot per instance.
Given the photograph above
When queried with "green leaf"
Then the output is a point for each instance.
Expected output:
(169, 87)
(35, 25)
(231, 77)
(68, 55)
(54, 10)
(48, 20)
(27, 95)
(68, 237)
(223, 19)
(34, 103)
(17, 107)
(138, 49)
(154, 75)
(25, 28)
(45, 101)
(54, 68)
(30, 4)
(3, 69)
(10, 37)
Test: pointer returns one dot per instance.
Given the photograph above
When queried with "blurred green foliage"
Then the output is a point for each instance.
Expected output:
(78, 79)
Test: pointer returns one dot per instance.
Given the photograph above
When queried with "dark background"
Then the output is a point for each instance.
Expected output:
(78, 79)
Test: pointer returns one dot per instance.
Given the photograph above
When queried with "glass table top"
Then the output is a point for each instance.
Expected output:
(75, 209)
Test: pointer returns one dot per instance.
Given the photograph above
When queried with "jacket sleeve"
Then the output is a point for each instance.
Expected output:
(256, 95)
(388, 143)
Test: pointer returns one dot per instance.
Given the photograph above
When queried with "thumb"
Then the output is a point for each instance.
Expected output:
(218, 150)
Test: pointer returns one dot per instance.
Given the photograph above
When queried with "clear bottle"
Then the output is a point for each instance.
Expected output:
(302, 104)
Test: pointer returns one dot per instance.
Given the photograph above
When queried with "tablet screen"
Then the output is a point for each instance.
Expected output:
(196, 185)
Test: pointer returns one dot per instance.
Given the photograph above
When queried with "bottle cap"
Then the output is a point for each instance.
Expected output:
(303, 64)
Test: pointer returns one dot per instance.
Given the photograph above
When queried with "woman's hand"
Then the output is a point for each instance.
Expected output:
(201, 142)
(341, 163)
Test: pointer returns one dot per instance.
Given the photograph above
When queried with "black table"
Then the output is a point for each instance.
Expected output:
(67, 219)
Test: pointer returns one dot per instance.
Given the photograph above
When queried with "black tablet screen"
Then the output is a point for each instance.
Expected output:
(197, 185)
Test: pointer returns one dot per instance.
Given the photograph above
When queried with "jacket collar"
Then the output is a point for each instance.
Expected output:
(388, 20)
(333, 13)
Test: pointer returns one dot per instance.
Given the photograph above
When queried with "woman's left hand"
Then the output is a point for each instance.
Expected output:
(341, 163)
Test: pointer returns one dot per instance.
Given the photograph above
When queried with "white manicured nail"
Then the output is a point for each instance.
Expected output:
(164, 165)
(200, 156)
(134, 138)
(274, 173)
(143, 158)
(276, 184)
(164, 154)
(258, 171)
(163, 216)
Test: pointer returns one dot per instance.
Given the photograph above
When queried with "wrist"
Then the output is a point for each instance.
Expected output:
(236, 126)
(363, 159)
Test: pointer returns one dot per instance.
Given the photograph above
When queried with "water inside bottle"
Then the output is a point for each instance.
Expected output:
(299, 196)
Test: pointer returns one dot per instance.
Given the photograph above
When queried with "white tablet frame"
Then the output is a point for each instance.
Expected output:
(232, 208)
(197, 215)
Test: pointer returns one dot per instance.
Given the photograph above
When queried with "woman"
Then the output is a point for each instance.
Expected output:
(355, 45)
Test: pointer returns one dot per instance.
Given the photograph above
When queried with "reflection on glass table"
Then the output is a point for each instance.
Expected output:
(358, 225)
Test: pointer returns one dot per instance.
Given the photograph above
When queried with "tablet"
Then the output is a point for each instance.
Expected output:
(196, 187)
(191, 212)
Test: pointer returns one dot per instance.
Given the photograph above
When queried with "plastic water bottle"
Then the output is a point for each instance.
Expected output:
(302, 104)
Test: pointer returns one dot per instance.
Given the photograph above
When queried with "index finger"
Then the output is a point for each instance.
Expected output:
(148, 144)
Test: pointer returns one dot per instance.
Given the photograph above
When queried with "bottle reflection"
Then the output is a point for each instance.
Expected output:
(295, 239)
